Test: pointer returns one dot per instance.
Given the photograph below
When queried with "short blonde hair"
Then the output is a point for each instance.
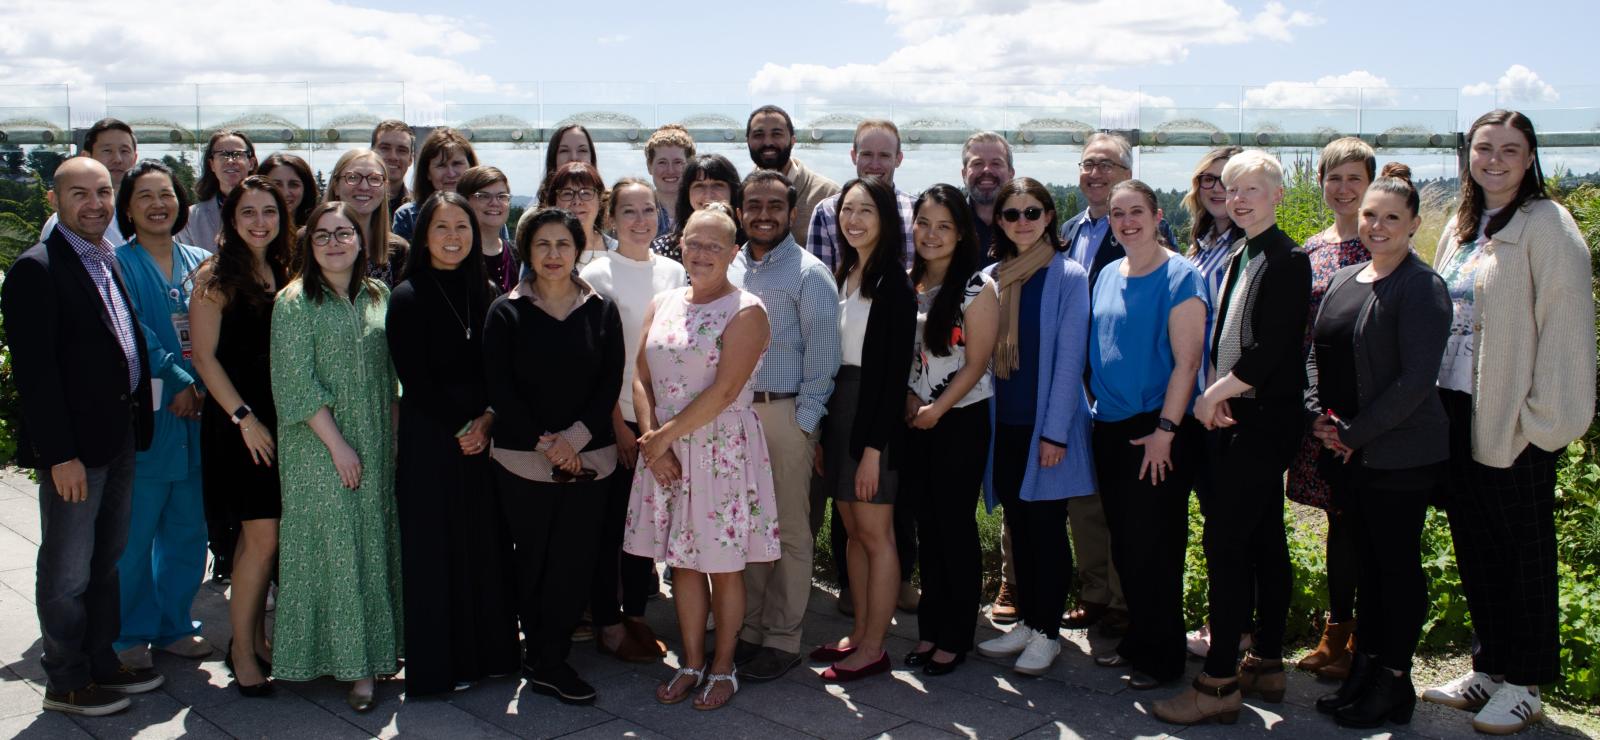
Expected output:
(879, 124)
(1343, 151)
(1252, 161)
(670, 135)
(720, 213)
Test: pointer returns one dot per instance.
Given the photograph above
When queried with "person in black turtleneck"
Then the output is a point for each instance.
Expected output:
(455, 551)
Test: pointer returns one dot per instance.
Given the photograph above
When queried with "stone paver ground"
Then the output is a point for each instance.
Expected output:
(982, 699)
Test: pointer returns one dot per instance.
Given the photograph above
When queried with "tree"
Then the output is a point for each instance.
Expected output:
(322, 182)
(15, 162)
(44, 162)
(181, 169)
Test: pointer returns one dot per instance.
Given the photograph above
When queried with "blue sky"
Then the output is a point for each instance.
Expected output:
(983, 53)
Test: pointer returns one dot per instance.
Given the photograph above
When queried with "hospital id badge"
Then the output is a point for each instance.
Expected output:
(180, 324)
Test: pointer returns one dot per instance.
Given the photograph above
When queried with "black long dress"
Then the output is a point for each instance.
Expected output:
(235, 487)
(455, 553)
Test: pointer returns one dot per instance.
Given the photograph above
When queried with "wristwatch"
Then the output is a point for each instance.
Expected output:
(240, 413)
(1165, 424)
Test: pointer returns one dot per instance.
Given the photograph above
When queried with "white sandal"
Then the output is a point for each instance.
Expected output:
(699, 679)
(711, 681)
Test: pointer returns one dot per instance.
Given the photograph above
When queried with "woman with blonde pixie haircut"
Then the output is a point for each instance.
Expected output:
(358, 180)
(1345, 170)
(1253, 411)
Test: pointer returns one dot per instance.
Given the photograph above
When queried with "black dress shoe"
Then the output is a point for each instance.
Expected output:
(1141, 681)
(937, 668)
(914, 658)
(745, 651)
(1355, 684)
(1388, 697)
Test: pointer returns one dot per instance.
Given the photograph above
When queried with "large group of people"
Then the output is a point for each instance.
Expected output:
(432, 440)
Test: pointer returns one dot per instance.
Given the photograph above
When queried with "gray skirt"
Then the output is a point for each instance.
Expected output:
(839, 467)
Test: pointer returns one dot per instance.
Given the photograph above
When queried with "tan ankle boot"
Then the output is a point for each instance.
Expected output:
(1333, 648)
(1264, 677)
(1201, 703)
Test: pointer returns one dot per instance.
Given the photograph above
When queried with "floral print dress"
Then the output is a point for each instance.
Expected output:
(722, 512)
(1306, 485)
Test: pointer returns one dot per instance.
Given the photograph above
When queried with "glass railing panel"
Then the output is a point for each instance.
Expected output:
(1206, 115)
(35, 114)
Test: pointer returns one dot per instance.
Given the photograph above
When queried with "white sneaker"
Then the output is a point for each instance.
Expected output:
(1511, 709)
(1039, 656)
(1469, 692)
(1008, 644)
(137, 657)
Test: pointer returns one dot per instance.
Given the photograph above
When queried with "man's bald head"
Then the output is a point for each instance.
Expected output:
(83, 197)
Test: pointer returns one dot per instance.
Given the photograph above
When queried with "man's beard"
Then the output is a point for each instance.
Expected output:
(759, 155)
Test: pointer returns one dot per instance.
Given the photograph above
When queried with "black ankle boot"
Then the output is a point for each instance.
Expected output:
(1352, 688)
(1388, 697)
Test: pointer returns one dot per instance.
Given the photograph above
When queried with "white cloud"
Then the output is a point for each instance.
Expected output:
(1348, 90)
(1517, 85)
(971, 46)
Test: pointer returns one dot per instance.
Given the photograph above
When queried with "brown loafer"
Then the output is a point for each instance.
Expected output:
(641, 643)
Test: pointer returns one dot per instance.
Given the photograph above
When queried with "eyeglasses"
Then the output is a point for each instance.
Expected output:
(707, 247)
(321, 237)
(233, 155)
(1102, 166)
(1207, 181)
(1012, 215)
(484, 199)
(561, 476)
(568, 195)
(355, 178)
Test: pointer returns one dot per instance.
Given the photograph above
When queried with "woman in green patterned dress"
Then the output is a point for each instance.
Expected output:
(339, 602)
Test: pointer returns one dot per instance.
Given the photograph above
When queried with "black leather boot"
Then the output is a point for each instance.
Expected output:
(1349, 691)
(1388, 697)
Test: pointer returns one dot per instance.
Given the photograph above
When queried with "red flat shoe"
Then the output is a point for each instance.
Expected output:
(835, 674)
(829, 654)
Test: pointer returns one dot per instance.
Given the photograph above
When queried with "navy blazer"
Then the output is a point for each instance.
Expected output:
(68, 366)
(1110, 249)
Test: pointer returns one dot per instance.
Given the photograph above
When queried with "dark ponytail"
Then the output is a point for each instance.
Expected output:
(1395, 179)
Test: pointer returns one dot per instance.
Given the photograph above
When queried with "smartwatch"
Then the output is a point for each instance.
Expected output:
(240, 413)
(1165, 424)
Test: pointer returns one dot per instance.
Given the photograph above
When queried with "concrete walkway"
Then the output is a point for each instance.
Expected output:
(981, 699)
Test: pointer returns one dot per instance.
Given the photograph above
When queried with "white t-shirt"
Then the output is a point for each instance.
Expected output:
(631, 284)
(853, 311)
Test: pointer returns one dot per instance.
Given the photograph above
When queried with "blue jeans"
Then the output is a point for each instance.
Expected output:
(76, 588)
(164, 562)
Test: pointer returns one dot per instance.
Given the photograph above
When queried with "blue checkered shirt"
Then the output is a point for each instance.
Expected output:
(99, 261)
(821, 239)
(803, 307)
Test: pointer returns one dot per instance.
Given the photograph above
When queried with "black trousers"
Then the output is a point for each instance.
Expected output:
(1343, 559)
(1502, 521)
(622, 582)
(1387, 509)
(1042, 554)
(944, 469)
(1149, 533)
(555, 528)
(1245, 541)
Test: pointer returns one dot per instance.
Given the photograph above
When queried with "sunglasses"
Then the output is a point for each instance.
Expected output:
(1011, 215)
(561, 476)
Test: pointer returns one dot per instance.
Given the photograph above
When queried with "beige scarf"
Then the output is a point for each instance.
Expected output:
(1012, 273)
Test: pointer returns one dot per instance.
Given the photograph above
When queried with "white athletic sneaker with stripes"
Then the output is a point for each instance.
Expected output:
(1470, 692)
(1511, 709)
(1008, 644)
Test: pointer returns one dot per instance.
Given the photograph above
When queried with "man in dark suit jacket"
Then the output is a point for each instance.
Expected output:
(78, 362)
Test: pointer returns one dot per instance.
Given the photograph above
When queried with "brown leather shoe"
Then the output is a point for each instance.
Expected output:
(1085, 616)
(639, 643)
(1264, 677)
(1004, 610)
(1201, 703)
(1333, 650)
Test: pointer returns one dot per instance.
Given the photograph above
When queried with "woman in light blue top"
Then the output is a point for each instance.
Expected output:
(165, 559)
(1150, 313)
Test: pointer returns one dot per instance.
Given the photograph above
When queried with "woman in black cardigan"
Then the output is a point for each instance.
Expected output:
(1253, 407)
(461, 626)
(553, 354)
(1378, 341)
(866, 416)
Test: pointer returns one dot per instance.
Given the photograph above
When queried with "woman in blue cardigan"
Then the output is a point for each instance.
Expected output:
(1039, 455)
(165, 559)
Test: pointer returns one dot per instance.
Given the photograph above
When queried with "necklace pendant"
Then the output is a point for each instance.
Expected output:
(469, 334)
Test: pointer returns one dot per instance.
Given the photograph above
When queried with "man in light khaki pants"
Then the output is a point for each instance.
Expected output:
(791, 395)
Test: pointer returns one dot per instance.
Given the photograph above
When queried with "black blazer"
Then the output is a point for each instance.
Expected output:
(69, 370)
(1272, 358)
(885, 364)
(1399, 342)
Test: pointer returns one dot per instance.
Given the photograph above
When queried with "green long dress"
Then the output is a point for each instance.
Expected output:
(339, 601)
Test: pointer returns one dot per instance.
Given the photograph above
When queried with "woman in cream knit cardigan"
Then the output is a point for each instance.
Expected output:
(1518, 382)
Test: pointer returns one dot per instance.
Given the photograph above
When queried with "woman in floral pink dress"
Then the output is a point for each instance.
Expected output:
(707, 507)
